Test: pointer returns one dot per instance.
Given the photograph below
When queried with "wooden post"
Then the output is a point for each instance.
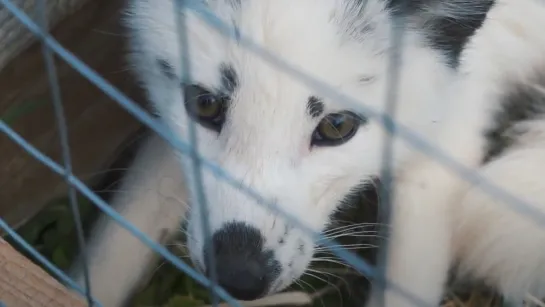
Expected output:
(24, 284)
(97, 126)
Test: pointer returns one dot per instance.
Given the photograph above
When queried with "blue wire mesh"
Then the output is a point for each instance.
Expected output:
(63, 134)
(51, 46)
(197, 168)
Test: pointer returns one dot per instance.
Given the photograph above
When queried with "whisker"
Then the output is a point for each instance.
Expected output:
(307, 285)
(329, 284)
(346, 247)
(362, 234)
(313, 290)
(307, 273)
(350, 230)
(350, 225)
(323, 273)
(331, 260)
(152, 274)
(339, 278)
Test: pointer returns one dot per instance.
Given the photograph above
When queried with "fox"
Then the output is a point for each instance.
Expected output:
(470, 82)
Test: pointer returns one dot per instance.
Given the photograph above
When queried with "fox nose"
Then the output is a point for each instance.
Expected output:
(243, 269)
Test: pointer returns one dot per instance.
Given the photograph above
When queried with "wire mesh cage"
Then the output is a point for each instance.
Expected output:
(82, 198)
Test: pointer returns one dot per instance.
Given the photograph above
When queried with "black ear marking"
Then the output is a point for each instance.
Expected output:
(166, 68)
(448, 24)
(315, 106)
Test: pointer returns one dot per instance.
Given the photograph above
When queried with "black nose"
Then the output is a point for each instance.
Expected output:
(242, 267)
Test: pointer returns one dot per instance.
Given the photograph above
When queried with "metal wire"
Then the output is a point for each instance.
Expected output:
(202, 204)
(51, 45)
(63, 136)
(386, 187)
(361, 265)
(402, 131)
(103, 206)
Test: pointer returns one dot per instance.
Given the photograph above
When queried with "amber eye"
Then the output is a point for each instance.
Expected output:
(336, 129)
(205, 107)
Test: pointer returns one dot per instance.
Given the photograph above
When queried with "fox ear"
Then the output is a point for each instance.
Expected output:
(447, 24)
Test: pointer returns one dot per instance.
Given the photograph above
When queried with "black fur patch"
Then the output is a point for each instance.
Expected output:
(361, 208)
(229, 78)
(315, 106)
(522, 102)
(448, 23)
(166, 68)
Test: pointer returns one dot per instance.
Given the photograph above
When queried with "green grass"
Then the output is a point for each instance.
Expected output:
(13, 114)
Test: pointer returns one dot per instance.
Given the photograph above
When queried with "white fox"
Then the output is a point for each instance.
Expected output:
(471, 83)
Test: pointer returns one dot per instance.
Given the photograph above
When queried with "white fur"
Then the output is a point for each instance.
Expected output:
(265, 142)
(437, 217)
(152, 198)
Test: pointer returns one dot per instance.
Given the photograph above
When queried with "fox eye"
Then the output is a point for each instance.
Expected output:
(205, 107)
(336, 129)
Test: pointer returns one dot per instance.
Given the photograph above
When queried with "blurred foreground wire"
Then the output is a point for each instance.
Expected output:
(52, 46)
